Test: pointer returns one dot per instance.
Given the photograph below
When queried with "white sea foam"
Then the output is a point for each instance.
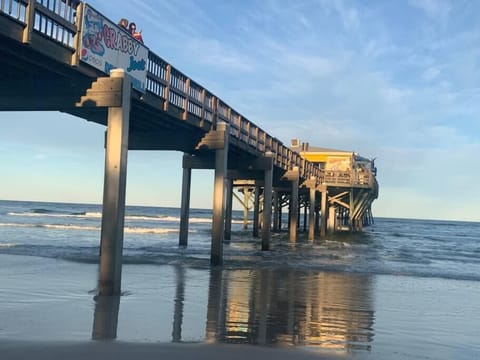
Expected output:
(98, 215)
(149, 230)
(71, 227)
(129, 230)
(16, 225)
(80, 215)
(7, 245)
(91, 215)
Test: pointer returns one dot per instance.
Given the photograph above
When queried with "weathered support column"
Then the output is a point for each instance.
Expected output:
(113, 210)
(276, 226)
(256, 210)
(299, 213)
(352, 210)
(246, 199)
(311, 213)
(305, 216)
(324, 211)
(267, 203)
(105, 317)
(280, 213)
(332, 219)
(228, 212)
(218, 221)
(294, 205)
(185, 206)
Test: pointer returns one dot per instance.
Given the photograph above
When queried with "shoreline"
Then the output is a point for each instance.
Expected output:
(119, 350)
(19, 350)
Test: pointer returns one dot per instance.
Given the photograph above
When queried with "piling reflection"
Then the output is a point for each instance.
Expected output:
(178, 304)
(265, 306)
(290, 307)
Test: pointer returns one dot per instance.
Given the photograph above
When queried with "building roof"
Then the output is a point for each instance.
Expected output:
(325, 150)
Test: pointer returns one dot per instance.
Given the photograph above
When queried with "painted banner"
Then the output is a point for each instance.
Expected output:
(338, 163)
(106, 46)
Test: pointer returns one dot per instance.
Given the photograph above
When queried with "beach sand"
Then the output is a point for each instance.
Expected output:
(48, 310)
(124, 351)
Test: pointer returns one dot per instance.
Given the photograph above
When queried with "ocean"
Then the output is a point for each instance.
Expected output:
(401, 289)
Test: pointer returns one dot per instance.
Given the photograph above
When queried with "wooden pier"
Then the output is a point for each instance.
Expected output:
(54, 55)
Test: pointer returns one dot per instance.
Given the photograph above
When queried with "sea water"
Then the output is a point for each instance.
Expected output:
(402, 288)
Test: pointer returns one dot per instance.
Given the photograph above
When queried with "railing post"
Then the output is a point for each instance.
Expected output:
(168, 74)
(29, 22)
(202, 114)
(214, 112)
(77, 39)
(187, 98)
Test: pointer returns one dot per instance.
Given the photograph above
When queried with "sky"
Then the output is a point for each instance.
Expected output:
(398, 81)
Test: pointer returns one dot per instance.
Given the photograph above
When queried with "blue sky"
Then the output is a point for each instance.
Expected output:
(394, 80)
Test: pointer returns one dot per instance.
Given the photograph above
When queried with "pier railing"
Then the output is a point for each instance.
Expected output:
(182, 97)
(347, 178)
(186, 98)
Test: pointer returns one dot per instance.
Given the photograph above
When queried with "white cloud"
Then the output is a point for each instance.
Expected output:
(219, 55)
(310, 65)
(439, 9)
(431, 73)
(349, 15)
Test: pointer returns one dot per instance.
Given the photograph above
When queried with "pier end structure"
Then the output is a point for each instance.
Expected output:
(347, 184)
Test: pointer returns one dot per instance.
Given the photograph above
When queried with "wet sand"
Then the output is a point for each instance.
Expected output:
(48, 309)
(124, 351)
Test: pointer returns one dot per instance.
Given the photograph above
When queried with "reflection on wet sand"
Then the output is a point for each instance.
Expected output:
(291, 307)
(270, 307)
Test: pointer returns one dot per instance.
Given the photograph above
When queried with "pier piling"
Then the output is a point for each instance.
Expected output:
(256, 210)
(228, 211)
(294, 204)
(218, 221)
(185, 205)
(311, 212)
(267, 203)
(113, 211)
(324, 212)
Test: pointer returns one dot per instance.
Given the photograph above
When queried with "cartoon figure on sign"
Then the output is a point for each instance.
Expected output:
(92, 36)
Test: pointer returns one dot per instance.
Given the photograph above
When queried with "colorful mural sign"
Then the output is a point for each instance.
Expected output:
(106, 46)
(338, 163)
